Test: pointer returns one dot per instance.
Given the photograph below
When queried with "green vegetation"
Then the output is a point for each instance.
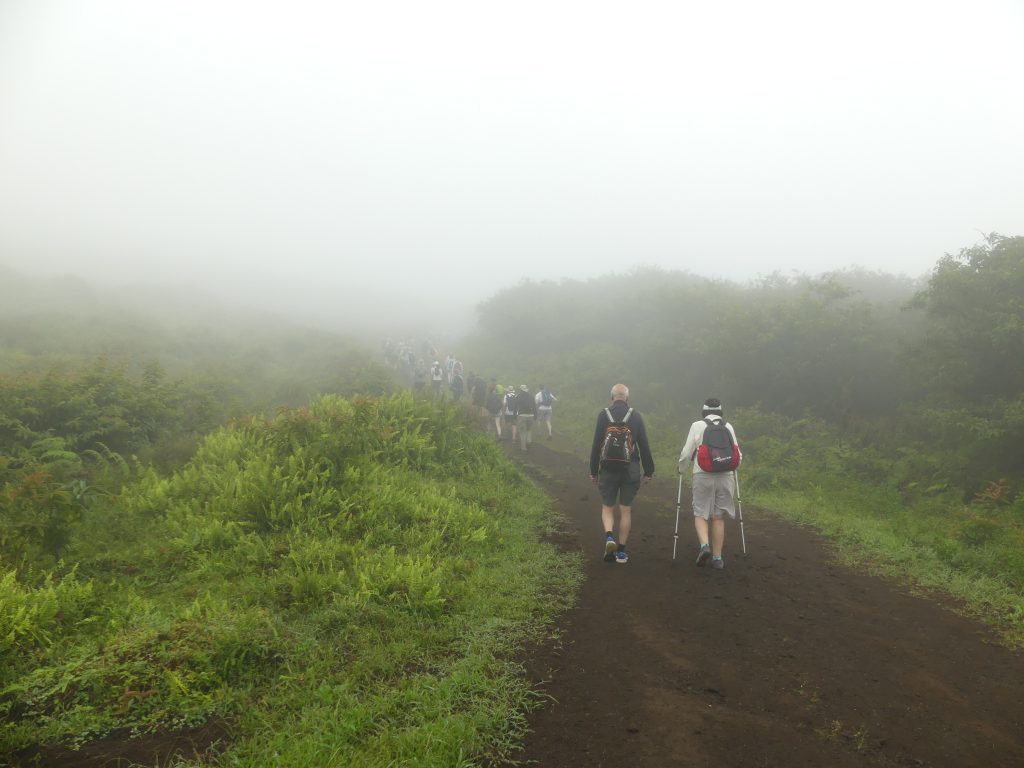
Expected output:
(346, 585)
(347, 582)
(199, 524)
(886, 412)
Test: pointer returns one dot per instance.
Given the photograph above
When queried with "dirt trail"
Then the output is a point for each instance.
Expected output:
(785, 658)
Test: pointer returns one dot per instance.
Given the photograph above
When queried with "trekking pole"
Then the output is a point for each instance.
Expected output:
(739, 506)
(679, 501)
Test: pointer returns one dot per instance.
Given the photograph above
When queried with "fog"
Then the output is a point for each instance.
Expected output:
(398, 162)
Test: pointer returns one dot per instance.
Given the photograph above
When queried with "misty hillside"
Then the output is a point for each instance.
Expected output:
(876, 408)
(270, 360)
(346, 580)
(246, 523)
(849, 348)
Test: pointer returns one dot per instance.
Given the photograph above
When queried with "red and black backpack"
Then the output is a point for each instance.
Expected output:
(718, 452)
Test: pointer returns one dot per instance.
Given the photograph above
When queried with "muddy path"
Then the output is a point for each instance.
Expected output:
(784, 658)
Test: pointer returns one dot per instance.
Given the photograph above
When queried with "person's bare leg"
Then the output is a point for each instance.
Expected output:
(625, 523)
(608, 518)
(717, 535)
(702, 529)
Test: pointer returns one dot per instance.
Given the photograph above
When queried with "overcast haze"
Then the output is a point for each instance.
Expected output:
(309, 155)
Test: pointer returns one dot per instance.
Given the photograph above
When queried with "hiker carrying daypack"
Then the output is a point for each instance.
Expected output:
(713, 448)
(618, 446)
(717, 452)
(620, 461)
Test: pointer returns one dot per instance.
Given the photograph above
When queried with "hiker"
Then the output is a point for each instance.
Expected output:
(712, 447)
(526, 412)
(477, 391)
(544, 400)
(458, 385)
(419, 378)
(508, 410)
(620, 447)
(436, 377)
(493, 406)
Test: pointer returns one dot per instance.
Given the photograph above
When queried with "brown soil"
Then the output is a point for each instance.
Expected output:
(119, 750)
(784, 658)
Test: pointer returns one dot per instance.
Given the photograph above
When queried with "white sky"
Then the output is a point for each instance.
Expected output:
(290, 151)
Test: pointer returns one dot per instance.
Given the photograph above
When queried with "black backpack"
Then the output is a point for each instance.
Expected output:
(510, 404)
(618, 447)
(718, 452)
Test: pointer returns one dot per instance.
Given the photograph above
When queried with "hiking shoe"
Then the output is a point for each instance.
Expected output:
(718, 564)
(621, 557)
(609, 549)
(703, 556)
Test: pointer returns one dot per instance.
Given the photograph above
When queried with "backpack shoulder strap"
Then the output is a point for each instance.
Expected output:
(628, 414)
(608, 413)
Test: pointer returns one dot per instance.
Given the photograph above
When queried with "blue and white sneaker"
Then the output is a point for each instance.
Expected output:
(704, 555)
(621, 557)
(609, 549)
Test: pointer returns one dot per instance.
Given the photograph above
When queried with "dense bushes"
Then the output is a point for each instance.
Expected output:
(74, 430)
(308, 572)
(929, 368)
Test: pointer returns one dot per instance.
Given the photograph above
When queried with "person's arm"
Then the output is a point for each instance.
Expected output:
(646, 457)
(686, 454)
(595, 447)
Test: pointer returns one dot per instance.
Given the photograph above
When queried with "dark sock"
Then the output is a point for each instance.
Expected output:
(609, 534)
(622, 547)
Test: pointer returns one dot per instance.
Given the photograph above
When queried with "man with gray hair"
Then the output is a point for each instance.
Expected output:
(712, 447)
(619, 449)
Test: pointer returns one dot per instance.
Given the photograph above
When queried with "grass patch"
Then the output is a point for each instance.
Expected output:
(345, 585)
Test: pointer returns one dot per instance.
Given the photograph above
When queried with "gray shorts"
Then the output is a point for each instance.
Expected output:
(543, 413)
(619, 486)
(713, 494)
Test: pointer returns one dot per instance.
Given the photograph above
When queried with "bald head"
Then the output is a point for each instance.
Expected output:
(620, 392)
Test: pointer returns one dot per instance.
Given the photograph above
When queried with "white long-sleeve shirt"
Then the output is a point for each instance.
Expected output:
(695, 437)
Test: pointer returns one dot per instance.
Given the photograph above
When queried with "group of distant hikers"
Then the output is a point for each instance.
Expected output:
(509, 410)
(621, 460)
(517, 410)
(505, 410)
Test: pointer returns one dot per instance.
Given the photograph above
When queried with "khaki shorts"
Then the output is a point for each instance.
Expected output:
(713, 494)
